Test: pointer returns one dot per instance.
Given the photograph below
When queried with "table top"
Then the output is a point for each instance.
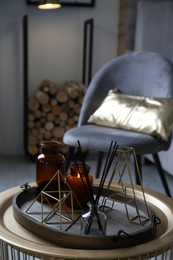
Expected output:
(14, 234)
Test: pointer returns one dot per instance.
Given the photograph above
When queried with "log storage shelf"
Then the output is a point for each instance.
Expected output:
(51, 112)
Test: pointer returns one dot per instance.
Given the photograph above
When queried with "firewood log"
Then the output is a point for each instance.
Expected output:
(52, 88)
(48, 135)
(46, 108)
(37, 113)
(32, 140)
(33, 104)
(53, 102)
(33, 150)
(61, 96)
(31, 124)
(58, 132)
(49, 126)
(63, 116)
(56, 110)
(50, 116)
(42, 97)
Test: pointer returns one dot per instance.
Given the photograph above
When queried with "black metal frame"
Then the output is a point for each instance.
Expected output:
(25, 80)
(75, 3)
(87, 51)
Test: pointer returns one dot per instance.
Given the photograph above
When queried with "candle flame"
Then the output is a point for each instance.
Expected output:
(78, 175)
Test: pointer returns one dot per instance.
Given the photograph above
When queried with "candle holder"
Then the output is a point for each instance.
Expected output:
(76, 179)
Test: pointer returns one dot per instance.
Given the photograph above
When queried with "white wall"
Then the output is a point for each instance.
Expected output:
(55, 53)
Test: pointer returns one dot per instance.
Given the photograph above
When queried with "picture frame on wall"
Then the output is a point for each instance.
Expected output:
(80, 3)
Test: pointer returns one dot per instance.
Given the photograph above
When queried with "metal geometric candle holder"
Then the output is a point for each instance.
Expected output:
(122, 169)
(56, 214)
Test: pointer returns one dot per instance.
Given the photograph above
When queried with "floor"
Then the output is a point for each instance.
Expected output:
(17, 170)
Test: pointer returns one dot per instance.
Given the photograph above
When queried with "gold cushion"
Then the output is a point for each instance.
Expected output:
(152, 116)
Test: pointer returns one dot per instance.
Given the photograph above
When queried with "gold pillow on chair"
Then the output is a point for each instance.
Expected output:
(152, 116)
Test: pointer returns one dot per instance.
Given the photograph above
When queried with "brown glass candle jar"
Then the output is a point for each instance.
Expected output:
(47, 164)
(78, 185)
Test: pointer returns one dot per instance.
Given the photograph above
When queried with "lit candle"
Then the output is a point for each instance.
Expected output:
(78, 185)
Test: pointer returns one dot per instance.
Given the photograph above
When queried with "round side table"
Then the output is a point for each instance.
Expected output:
(18, 243)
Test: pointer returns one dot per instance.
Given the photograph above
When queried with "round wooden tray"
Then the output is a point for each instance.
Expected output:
(120, 231)
(19, 239)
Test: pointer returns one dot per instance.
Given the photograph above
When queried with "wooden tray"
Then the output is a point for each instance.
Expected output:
(132, 233)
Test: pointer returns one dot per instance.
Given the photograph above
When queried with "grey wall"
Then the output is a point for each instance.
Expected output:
(55, 53)
(154, 33)
(154, 27)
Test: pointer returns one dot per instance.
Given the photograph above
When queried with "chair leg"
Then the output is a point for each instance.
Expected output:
(161, 173)
(69, 157)
(138, 180)
(99, 164)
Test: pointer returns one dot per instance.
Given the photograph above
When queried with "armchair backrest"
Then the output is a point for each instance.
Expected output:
(137, 73)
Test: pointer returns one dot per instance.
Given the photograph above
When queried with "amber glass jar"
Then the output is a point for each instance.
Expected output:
(48, 163)
(78, 185)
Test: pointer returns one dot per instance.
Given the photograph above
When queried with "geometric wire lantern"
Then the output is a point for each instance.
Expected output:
(58, 213)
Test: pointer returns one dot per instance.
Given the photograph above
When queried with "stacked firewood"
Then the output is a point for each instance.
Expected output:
(52, 111)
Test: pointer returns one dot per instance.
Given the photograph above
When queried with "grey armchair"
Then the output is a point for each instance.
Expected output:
(137, 73)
